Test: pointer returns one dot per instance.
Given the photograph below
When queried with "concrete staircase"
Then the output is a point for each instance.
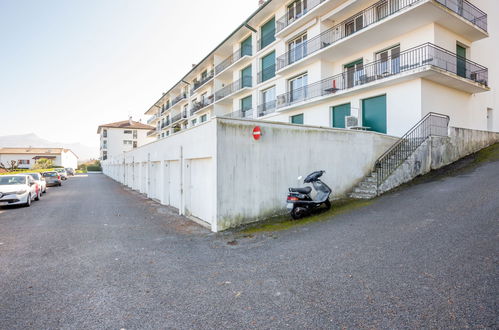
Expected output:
(366, 189)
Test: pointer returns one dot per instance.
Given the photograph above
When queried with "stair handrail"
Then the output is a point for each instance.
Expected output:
(425, 124)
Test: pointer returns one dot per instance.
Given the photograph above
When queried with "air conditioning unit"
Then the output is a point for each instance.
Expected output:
(351, 121)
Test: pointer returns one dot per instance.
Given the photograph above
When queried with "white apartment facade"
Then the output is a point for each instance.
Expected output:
(26, 158)
(387, 63)
(119, 137)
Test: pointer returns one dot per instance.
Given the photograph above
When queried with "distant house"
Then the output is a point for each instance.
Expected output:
(27, 157)
(119, 137)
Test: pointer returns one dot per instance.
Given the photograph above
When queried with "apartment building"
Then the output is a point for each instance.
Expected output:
(26, 158)
(382, 64)
(122, 136)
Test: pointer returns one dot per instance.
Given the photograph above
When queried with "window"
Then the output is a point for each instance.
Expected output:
(298, 88)
(246, 47)
(246, 105)
(104, 144)
(268, 98)
(204, 118)
(23, 162)
(354, 72)
(297, 49)
(268, 67)
(104, 133)
(246, 77)
(104, 155)
(134, 144)
(194, 122)
(134, 133)
(127, 142)
(267, 33)
(127, 131)
(297, 119)
(354, 25)
(167, 133)
(382, 9)
(297, 9)
(204, 74)
(388, 61)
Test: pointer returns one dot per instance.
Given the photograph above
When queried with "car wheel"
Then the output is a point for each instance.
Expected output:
(37, 198)
(28, 201)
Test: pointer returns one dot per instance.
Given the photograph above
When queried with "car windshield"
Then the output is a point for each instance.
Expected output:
(10, 180)
(50, 174)
(35, 176)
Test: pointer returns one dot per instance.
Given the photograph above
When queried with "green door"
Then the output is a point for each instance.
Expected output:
(267, 33)
(461, 61)
(246, 47)
(338, 114)
(374, 113)
(246, 77)
(298, 119)
(268, 67)
(246, 105)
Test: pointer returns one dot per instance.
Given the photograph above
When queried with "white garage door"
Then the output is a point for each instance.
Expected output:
(174, 191)
(199, 197)
(154, 180)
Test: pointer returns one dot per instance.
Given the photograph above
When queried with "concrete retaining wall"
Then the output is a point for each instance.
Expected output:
(438, 152)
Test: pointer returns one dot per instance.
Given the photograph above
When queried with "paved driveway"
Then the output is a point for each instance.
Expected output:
(94, 255)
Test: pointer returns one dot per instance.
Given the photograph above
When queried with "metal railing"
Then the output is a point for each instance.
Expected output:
(166, 123)
(290, 17)
(203, 81)
(179, 98)
(433, 124)
(266, 108)
(419, 56)
(151, 132)
(153, 118)
(245, 81)
(236, 56)
(468, 11)
(266, 40)
(196, 106)
(266, 74)
(370, 15)
(242, 113)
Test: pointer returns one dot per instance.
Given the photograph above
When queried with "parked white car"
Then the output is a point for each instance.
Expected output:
(17, 190)
(40, 181)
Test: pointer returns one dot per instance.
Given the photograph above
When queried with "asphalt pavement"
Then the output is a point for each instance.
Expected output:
(95, 255)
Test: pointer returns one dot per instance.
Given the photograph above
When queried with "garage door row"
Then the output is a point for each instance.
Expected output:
(186, 186)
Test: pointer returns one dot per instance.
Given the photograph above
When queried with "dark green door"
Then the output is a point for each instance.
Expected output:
(267, 33)
(246, 77)
(246, 47)
(246, 105)
(461, 61)
(298, 119)
(268, 67)
(338, 114)
(374, 113)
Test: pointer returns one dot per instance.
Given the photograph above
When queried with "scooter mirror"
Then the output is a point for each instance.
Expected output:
(299, 178)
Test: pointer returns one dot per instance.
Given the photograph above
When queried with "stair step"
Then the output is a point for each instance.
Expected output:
(369, 185)
(363, 190)
(362, 195)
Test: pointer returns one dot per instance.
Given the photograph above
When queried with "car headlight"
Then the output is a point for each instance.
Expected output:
(20, 192)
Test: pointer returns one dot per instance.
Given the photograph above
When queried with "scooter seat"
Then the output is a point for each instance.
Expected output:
(304, 190)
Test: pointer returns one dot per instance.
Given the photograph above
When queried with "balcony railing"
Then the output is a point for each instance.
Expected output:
(266, 108)
(151, 132)
(373, 14)
(203, 81)
(242, 113)
(179, 98)
(245, 81)
(292, 17)
(179, 116)
(468, 11)
(236, 56)
(153, 118)
(420, 56)
(266, 74)
(196, 106)
(166, 123)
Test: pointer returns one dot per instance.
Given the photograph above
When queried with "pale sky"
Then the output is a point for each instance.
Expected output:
(67, 66)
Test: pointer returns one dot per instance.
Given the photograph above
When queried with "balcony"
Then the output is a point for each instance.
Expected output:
(152, 119)
(152, 132)
(166, 123)
(362, 29)
(198, 106)
(179, 98)
(428, 61)
(179, 117)
(266, 74)
(266, 108)
(242, 114)
(234, 58)
(289, 17)
(203, 81)
(233, 88)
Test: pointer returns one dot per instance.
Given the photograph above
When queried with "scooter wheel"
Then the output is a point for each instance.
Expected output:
(327, 204)
(298, 213)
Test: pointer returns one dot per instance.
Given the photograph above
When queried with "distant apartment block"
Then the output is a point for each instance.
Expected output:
(383, 64)
(119, 137)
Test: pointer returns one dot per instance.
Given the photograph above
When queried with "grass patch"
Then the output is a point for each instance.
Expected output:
(285, 222)
(489, 154)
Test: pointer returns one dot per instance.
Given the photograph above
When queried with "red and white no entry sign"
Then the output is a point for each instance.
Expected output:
(257, 132)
